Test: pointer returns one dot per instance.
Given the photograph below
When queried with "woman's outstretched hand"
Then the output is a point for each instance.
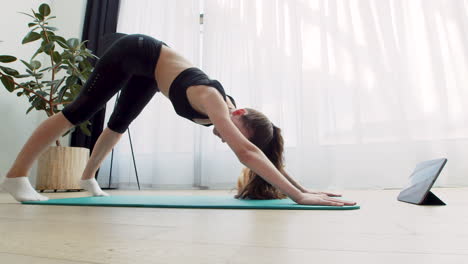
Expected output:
(321, 199)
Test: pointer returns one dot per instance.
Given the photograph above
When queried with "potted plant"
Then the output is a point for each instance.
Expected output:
(59, 167)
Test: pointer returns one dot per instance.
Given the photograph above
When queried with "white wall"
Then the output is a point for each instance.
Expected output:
(16, 126)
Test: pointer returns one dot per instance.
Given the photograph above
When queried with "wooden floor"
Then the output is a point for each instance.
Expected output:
(382, 231)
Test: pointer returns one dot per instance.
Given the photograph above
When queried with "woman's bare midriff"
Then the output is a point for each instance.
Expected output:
(169, 66)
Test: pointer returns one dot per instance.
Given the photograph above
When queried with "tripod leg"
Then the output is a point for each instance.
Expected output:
(110, 173)
(133, 156)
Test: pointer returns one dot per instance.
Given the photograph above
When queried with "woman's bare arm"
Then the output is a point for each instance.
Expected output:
(252, 157)
(247, 153)
(303, 189)
(293, 181)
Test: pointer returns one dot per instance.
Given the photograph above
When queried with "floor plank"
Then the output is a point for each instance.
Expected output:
(20, 259)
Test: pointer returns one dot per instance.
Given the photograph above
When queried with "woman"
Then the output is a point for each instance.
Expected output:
(140, 66)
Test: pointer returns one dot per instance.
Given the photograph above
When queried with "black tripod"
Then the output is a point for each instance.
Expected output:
(133, 155)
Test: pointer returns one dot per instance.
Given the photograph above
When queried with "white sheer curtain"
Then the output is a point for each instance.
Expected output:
(363, 90)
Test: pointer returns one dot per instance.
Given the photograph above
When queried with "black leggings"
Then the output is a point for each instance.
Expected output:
(129, 65)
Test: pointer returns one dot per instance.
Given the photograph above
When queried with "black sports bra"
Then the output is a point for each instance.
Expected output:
(178, 96)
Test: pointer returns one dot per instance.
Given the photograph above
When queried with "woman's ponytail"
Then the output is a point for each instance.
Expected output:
(252, 186)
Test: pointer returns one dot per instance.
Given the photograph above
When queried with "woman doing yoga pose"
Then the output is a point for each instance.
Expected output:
(140, 66)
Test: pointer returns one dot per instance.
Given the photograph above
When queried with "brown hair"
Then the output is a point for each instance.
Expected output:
(267, 137)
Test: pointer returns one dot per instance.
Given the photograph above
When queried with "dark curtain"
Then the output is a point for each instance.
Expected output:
(100, 19)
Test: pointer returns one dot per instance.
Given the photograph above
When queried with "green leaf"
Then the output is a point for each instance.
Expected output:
(7, 58)
(82, 78)
(31, 24)
(84, 128)
(51, 17)
(85, 65)
(44, 9)
(50, 83)
(29, 109)
(71, 80)
(26, 92)
(82, 46)
(51, 28)
(61, 41)
(45, 69)
(38, 16)
(9, 71)
(37, 102)
(27, 65)
(30, 37)
(26, 14)
(8, 83)
(75, 89)
(39, 51)
(59, 38)
(56, 57)
(87, 74)
(50, 34)
(73, 42)
(19, 93)
(59, 83)
(62, 44)
(78, 58)
(49, 48)
(32, 85)
(23, 76)
(35, 64)
(66, 55)
(44, 94)
(62, 93)
(45, 34)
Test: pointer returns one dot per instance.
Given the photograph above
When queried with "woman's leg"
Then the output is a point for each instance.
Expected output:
(133, 98)
(103, 146)
(107, 78)
(45, 134)
(106, 141)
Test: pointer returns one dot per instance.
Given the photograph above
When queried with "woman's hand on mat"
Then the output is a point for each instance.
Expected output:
(320, 199)
(323, 193)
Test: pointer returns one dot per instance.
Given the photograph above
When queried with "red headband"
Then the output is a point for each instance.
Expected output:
(239, 112)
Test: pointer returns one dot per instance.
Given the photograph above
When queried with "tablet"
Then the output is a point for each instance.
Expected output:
(420, 183)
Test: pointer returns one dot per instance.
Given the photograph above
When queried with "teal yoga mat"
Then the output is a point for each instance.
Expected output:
(190, 201)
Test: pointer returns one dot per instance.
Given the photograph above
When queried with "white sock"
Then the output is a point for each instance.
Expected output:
(92, 186)
(20, 188)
